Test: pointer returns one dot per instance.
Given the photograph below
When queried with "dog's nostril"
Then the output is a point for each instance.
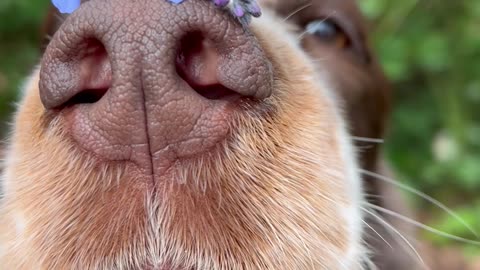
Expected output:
(152, 88)
(85, 97)
(197, 64)
(216, 91)
(95, 73)
(83, 74)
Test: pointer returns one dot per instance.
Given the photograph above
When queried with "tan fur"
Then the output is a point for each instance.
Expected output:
(273, 196)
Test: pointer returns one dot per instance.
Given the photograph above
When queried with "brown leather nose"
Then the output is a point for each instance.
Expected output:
(149, 81)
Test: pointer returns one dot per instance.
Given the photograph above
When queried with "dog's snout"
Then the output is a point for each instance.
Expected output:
(149, 79)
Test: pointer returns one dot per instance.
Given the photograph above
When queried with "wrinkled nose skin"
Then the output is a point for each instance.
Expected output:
(151, 82)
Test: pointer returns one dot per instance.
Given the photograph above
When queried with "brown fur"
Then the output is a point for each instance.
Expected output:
(273, 196)
(365, 96)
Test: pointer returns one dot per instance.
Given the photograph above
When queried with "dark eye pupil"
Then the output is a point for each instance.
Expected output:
(323, 29)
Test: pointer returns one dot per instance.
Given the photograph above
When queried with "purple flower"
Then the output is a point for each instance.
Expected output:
(244, 10)
(69, 6)
(221, 3)
(238, 10)
(176, 2)
(66, 6)
(254, 9)
(241, 9)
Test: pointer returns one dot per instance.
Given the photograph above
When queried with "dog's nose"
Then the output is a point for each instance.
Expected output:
(149, 80)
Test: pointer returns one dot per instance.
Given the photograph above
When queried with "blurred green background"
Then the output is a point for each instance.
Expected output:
(431, 51)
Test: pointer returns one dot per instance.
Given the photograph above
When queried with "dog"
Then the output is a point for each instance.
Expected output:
(160, 136)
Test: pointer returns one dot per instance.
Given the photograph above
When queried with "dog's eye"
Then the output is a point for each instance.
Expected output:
(328, 31)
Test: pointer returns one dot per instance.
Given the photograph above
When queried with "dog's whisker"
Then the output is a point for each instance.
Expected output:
(407, 14)
(300, 37)
(394, 28)
(297, 10)
(373, 196)
(421, 195)
(397, 233)
(423, 226)
(320, 60)
(369, 140)
(369, 265)
(324, 59)
(365, 147)
(377, 233)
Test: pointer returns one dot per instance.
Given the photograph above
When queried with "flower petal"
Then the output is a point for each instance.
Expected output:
(221, 3)
(176, 2)
(66, 6)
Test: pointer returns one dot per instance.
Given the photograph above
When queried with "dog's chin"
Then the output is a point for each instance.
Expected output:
(280, 192)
